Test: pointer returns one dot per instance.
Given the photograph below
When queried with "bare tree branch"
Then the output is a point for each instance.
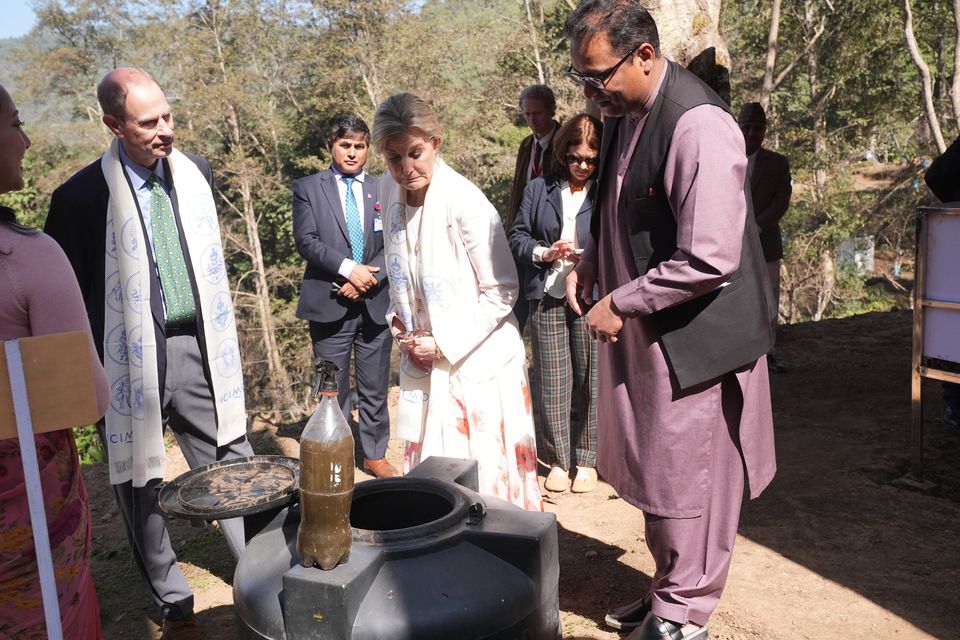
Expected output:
(927, 87)
(767, 91)
(955, 85)
(810, 44)
(535, 42)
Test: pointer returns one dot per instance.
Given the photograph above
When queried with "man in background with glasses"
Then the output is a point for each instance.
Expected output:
(684, 316)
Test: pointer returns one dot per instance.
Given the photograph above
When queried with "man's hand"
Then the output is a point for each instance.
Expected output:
(361, 277)
(348, 291)
(604, 321)
(580, 284)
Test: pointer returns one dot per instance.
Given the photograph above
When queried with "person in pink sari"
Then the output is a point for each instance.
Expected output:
(39, 295)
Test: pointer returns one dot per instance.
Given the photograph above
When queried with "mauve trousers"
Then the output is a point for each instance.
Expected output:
(563, 380)
(693, 555)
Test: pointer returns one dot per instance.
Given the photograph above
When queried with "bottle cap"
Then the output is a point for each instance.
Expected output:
(326, 376)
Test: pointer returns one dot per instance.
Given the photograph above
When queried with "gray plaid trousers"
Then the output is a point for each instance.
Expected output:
(563, 381)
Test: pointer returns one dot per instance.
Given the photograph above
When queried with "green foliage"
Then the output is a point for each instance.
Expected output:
(859, 296)
(23, 202)
(88, 445)
(851, 94)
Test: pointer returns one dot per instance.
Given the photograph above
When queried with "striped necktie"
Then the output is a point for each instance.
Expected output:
(354, 226)
(174, 279)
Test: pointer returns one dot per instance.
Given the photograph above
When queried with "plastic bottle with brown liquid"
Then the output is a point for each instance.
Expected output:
(326, 478)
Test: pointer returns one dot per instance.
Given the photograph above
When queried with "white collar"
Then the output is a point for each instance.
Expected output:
(545, 140)
(340, 175)
(141, 172)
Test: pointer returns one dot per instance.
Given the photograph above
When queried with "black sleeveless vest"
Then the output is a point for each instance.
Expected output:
(729, 327)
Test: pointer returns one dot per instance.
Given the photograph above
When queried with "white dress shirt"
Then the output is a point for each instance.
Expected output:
(555, 284)
(346, 267)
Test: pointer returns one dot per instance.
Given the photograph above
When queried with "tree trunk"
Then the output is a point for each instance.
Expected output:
(269, 327)
(955, 85)
(534, 29)
(766, 92)
(278, 374)
(690, 35)
(369, 60)
(828, 280)
(811, 17)
(929, 109)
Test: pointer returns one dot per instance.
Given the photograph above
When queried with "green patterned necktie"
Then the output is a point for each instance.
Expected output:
(174, 279)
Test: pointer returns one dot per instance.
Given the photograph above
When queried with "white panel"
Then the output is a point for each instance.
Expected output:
(943, 259)
(941, 334)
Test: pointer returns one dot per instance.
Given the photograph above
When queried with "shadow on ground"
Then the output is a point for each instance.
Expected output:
(842, 419)
(611, 585)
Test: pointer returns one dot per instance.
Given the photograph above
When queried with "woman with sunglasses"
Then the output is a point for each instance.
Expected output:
(547, 237)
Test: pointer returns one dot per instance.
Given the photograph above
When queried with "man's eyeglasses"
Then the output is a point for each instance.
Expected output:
(598, 81)
(578, 160)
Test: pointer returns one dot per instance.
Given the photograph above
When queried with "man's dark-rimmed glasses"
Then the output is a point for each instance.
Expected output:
(598, 81)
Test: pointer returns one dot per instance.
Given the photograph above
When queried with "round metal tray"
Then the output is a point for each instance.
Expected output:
(232, 488)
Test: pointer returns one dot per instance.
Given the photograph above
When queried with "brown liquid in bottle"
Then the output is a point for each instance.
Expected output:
(326, 488)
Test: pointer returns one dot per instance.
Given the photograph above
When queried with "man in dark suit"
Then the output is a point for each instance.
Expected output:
(770, 187)
(338, 229)
(139, 227)
(535, 158)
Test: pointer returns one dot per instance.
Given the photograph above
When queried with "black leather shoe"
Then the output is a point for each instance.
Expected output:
(628, 616)
(654, 627)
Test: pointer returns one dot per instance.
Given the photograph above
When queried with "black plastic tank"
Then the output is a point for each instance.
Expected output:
(431, 559)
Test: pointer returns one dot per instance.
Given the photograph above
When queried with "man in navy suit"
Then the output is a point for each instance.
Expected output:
(338, 229)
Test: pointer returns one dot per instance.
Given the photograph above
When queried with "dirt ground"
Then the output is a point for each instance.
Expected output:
(833, 549)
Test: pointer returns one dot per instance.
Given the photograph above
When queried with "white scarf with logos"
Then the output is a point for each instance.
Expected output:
(134, 427)
(434, 285)
(414, 409)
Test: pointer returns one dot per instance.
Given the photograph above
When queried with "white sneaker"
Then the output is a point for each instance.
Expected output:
(558, 480)
(585, 481)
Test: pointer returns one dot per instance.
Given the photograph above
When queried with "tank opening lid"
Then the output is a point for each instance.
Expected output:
(232, 488)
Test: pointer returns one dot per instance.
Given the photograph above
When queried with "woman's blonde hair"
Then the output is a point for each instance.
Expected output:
(400, 113)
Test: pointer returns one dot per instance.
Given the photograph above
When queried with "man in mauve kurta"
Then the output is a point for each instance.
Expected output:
(684, 316)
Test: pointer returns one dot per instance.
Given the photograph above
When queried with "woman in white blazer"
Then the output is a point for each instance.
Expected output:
(453, 283)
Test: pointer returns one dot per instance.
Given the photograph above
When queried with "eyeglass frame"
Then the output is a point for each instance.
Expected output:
(600, 80)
